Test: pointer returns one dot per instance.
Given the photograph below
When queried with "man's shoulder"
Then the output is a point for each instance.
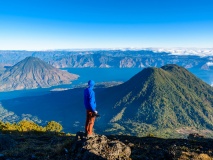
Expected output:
(88, 90)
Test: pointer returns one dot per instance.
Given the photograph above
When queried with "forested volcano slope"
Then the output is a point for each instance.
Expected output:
(158, 98)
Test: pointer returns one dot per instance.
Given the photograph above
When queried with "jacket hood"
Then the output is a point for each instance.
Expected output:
(91, 83)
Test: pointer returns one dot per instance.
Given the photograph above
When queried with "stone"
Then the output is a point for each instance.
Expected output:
(195, 136)
(99, 147)
(6, 142)
(2, 157)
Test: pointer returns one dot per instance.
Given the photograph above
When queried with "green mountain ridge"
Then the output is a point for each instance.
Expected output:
(157, 99)
(166, 102)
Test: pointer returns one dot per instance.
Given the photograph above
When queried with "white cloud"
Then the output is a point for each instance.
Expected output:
(8, 116)
(29, 117)
(202, 52)
(209, 63)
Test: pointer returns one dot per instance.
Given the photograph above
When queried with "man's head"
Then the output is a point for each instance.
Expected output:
(91, 83)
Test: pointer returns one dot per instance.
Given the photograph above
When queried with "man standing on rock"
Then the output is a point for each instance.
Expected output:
(90, 105)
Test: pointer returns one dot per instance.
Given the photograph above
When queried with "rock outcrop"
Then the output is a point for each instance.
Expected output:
(99, 147)
(195, 136)
(53, 146)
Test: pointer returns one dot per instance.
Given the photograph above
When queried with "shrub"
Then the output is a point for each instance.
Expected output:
(24, 126)
(27, 126)
(53, 126)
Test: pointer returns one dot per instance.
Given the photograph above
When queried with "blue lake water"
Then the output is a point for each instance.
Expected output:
(205, 75)
(98, 75)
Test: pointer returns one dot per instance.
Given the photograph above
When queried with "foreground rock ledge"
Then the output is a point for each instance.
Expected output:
(99, 147)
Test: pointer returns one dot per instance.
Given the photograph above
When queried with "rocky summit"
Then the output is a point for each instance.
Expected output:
(33, 73)
(60, 146)
(99, 147)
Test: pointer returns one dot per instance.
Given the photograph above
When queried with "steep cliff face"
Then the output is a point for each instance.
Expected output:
(128, 59)
(108, 58)
(33, 73)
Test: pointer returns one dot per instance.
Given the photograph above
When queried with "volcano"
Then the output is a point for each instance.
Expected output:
(33, 73)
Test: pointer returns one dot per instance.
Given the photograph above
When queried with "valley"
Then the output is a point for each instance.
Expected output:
(61, 105)
(160, 102)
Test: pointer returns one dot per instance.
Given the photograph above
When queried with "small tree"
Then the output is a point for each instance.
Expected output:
(25, 125)
(53, 126)
(1, 125)
(8, 126)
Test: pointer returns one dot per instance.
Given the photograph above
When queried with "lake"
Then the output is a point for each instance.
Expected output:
(98, 75)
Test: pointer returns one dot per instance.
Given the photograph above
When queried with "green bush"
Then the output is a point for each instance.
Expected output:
(53, 126)
(27, 126)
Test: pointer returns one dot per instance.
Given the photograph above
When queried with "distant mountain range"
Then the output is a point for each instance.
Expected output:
(33, 73)
(125, 58)
(164, 101)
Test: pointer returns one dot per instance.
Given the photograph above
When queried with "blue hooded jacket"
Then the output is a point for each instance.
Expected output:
(89, 97)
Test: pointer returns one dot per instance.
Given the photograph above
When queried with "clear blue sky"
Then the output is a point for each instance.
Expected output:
(67, 24)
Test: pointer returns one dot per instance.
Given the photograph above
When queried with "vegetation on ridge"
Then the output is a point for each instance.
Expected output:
(29, 126)
(159, 100)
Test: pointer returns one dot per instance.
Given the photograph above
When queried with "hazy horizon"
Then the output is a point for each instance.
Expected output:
(202, 52)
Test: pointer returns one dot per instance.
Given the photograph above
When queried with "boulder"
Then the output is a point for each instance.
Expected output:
(99, 147)
(195, 136)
